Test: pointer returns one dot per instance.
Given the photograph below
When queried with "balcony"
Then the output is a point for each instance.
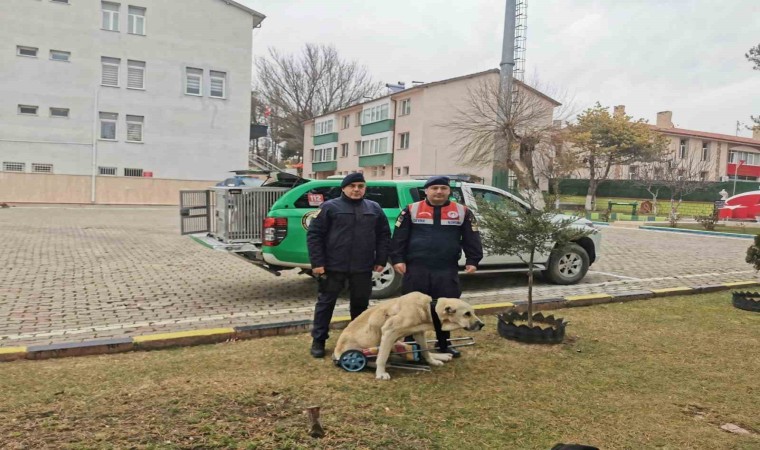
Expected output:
(325, 138)
(324, 166)
(380, 159)
(377, 127)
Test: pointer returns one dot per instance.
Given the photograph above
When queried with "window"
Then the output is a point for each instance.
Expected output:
(58, 55)
(682, 149)
(375, 114)
(358, 119)
(418, 194)
(59, 112)
(14, 167)
(110, 75)
(406, 107)
(133, 172)
(110, 15)
(108, 126)
(705, 151)
(398, 171)
(135, 74)
(406, 170)
(403, 141)
(324, 154)
(26, 51)
(357, 147)
(702, 176)
(750, 159)
(374, 146)
(135, 128)
(107, 170)
(632, 172)
(343, 150)
(324, 127)
(27, 109)
(42, 168)
(218, 82)
(193, 81)
(346, 121)
(386, 196)
(136, 22)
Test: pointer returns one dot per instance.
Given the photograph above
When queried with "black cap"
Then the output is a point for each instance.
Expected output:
(436, 181)
(352, 178)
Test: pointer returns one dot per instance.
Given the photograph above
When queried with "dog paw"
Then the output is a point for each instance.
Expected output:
(382, 376)
(445, 357)
(435, 362)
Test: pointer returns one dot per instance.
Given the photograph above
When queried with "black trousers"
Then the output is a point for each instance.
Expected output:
(436, 283)
(330, 286)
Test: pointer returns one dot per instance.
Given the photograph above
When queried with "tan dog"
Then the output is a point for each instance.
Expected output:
(384, 324)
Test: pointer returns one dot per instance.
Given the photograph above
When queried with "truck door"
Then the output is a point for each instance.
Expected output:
(195, 211)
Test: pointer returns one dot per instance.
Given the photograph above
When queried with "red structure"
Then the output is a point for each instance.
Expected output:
(741, 206)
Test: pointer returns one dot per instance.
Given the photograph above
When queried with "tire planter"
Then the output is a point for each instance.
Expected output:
(748, 301)
(553, 331)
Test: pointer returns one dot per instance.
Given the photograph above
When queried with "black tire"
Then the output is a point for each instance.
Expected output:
(567, 265)
(387, 284)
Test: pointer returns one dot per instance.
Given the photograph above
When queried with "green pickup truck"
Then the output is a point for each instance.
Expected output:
(267, 226)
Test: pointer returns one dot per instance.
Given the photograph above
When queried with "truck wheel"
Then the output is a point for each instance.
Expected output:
(567, 265)
(386, 283)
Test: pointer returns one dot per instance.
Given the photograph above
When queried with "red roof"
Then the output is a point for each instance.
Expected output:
(704, 134)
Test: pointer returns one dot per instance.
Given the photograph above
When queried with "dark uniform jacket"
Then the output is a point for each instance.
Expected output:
(436, 242)
(349, 236)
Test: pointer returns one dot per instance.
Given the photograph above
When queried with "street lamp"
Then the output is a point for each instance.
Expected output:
(736, 175)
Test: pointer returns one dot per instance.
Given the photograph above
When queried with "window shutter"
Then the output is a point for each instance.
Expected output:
(135, 128)
(110, 71)
(217, 84)
(136, 75)
(194, 77)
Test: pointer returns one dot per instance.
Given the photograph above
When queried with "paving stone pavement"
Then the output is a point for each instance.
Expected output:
(69, 274)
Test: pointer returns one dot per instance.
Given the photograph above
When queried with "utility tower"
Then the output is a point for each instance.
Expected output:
(512, 67)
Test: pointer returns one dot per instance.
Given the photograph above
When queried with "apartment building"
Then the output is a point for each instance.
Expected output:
(717, 154)
(122, 101)
(400, 135)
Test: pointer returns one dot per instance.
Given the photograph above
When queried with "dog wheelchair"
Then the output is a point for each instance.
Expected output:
(404, 355)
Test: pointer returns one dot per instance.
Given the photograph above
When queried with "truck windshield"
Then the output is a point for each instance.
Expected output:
(386, 196)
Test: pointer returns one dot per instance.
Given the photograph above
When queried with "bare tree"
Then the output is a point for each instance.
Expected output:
(505, 132)
(649, 175)
(753, 56)
(556, 160)
(315, 82)
(683, 176)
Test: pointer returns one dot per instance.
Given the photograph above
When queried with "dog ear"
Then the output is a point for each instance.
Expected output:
(450, 310)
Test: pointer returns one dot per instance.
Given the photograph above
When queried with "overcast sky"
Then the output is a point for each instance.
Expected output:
(686, 56)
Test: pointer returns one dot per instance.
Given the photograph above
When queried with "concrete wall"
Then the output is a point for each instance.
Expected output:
(42, 188)
(185, 137)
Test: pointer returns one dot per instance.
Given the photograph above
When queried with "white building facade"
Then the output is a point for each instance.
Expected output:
(136, 88)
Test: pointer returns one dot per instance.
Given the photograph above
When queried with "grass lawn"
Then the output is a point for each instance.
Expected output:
(720, 228)
(686, 208)
(660, 373)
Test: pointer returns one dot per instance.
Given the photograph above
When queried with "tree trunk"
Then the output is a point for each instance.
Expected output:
(535, 197)
(591, 195)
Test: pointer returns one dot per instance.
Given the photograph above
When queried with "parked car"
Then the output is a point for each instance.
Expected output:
(280, 241)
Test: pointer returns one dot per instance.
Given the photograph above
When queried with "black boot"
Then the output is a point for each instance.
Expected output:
(318, 349)
(452, 351)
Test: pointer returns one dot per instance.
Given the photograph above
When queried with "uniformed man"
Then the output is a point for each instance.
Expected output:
(427, 243)
(347, 240)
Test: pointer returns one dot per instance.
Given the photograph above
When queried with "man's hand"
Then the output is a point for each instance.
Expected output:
(318, 271)
(400, 268)
(379, 268)
(470, 269)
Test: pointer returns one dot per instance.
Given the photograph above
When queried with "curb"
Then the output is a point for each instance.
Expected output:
(700, 232)
(219, 335)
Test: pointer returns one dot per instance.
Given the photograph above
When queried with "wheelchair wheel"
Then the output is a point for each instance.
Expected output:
(352, 361)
